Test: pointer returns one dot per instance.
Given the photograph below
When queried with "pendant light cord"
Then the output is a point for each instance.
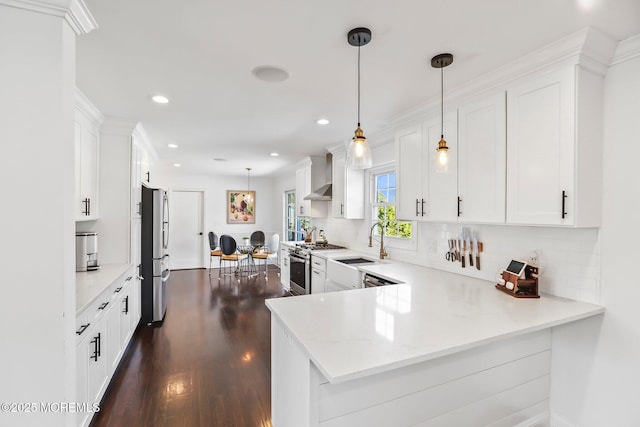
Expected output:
(359, 43)
(441, 102)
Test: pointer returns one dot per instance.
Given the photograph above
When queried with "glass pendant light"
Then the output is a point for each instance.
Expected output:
(440, 61)
(248, 197)
(359, 152)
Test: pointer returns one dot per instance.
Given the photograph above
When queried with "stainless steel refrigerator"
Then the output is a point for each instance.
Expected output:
(154, 256)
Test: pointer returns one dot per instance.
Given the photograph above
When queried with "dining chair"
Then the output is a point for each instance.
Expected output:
(230, 253)
(214, 249)
(268, 252)
(257, 239)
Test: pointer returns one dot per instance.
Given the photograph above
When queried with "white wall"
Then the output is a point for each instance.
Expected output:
(37, 308)
(600, 384)
(268, 202)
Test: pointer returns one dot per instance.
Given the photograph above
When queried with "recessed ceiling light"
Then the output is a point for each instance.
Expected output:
(219, 159)
(177, 165)
(274, 154)
(268, 73)
(322, 121)
(172, 146)
(160, 99)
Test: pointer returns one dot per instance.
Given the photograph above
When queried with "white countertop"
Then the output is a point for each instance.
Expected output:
(91, 283)
(356, 333)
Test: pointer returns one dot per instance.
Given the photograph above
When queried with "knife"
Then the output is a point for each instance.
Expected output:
(468, 236)
(477, 250)
(462, 249)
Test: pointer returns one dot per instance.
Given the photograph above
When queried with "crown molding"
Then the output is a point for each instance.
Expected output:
(122, 127)
(589, 47)
(627, 50)
(74, 12)
(86, 107)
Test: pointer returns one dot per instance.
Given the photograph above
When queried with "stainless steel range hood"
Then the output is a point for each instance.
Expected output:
(322, 193)
(321, 178)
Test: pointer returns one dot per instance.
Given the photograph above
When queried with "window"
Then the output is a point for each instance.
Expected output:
(295, 224)
(290, 197)
(384, 209)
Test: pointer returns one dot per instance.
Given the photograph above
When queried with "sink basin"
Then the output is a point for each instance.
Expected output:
(358, 260)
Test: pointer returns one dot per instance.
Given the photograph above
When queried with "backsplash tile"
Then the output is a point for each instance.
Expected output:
(570, 258)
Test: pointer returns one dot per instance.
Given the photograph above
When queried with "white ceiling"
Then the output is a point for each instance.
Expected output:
(200, 54)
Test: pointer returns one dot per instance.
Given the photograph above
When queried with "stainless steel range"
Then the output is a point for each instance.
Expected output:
(300, 265)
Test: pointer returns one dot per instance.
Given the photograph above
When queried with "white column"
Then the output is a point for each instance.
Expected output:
(37, 307)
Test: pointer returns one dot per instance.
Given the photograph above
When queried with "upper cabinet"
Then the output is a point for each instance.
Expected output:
(527, 151)
(427, 190)
(554, 149)
(87, 147)
(348, 188)
(481, 160)
(303, 188)
(311, 175)
(411, 196)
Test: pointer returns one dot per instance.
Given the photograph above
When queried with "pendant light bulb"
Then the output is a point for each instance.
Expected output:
(440, 61)
(248, 197)
(443, 151)
(358, 153)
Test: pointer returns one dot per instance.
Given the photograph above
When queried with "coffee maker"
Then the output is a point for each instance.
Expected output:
(86, 251)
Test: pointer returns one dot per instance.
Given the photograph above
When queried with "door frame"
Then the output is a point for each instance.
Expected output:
(204, 244)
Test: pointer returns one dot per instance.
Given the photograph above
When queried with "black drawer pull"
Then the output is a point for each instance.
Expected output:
(82, 329)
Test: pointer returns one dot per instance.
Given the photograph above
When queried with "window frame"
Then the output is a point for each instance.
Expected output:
(390, 241)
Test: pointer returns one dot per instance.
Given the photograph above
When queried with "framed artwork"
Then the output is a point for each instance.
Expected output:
(241, 207)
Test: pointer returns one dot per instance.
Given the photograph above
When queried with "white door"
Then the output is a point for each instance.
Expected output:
(186, 229)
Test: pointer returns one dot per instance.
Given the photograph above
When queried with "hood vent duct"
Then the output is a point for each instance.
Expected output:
(321, 178)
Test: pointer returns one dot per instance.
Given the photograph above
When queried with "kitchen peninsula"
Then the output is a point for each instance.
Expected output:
(438, 349)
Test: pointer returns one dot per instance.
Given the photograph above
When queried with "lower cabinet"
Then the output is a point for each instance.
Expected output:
(103, 332)
(284, 268)
(318, 275)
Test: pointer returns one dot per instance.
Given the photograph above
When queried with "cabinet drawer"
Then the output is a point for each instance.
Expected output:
(99, 306)
(83, 325)
(318, 263)
(119, 286)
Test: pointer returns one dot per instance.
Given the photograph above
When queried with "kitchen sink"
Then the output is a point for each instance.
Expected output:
(358, 260)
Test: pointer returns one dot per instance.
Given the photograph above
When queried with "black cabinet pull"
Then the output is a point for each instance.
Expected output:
(103, 306)
(128, 278)
(86, 206)
(139, 208)
(459, 201)
(417, 203)
(564, 198)
(94, 341)
(118, 289)
(99, 345)
(341, 209)
(422, 207)
(89, 206)
(148, 176)
(126, 305)
(82, 329)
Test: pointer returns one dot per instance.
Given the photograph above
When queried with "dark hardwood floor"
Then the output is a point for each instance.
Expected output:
(208, 364)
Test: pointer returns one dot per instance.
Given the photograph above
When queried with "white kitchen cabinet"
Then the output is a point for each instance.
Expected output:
(103, 330)
(426, 191)
(311, 174)
(482, 160)
(554, 149)
(285, 273)
(303, 188)
(318, 275)
(347, 200)
(87, 142)
(441, 181)
(411, 197)
(136, 179)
